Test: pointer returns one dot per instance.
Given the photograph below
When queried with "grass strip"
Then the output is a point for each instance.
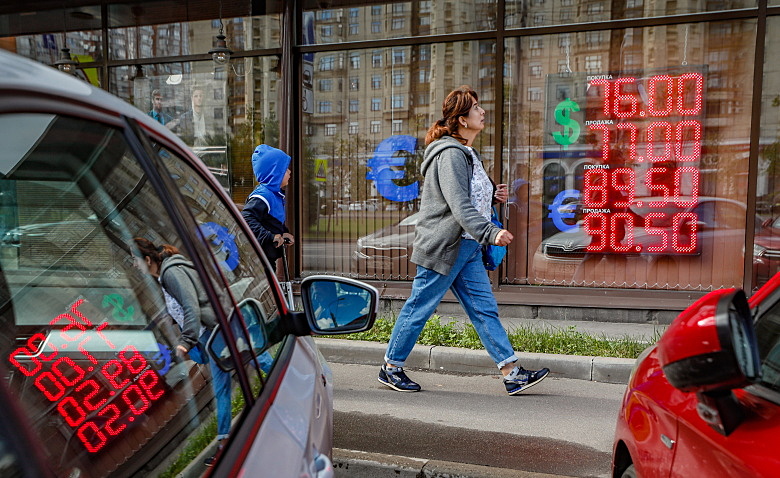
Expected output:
(550, 340)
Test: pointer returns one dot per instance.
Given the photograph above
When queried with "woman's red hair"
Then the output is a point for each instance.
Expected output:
(458, 103)
(155, 253)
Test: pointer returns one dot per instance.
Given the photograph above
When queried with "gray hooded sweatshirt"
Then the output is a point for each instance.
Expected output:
(445, 207)
(180, 279)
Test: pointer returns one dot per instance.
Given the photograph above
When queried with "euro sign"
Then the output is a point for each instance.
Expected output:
(560, 211)
(386, 158)
(222, 242)
(571, 128)
(160, 358)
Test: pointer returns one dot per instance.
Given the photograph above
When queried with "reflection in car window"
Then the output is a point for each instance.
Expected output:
(768, 336)
(239, 262)
(86, 341)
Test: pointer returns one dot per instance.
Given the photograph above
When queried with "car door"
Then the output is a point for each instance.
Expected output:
(751, 449)
(285, 429)
(87, 343)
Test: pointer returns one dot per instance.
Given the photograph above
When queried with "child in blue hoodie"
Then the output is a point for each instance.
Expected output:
(264, 208)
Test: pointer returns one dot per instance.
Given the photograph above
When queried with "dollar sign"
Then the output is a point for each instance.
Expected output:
(571, 128)
(118, 303)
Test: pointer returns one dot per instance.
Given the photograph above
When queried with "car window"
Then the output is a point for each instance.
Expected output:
(239, 263)
(87, 336)
(768, 337)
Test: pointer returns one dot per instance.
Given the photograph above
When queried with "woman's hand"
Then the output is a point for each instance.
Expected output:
(182, 352)
(504, 238)
(502, 193)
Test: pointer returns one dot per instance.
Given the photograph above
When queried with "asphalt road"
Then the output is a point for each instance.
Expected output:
(561, 426)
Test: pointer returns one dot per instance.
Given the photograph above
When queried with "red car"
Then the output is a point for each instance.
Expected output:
(705, 400)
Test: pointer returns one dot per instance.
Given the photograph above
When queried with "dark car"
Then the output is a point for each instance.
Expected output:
(93, 382)
(705, 400)
(387, 251)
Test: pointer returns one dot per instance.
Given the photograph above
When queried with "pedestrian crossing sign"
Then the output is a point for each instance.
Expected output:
(320, 170)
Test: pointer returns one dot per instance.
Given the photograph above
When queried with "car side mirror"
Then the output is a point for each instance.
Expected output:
(711, 349)
(338, 305)
(249, 335)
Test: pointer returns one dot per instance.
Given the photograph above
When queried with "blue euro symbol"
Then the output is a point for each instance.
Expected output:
(222, 243)
(161, 359)
(560, 211)
(382, 173)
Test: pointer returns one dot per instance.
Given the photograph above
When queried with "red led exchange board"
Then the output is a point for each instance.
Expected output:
(643, 136)
(98, 394)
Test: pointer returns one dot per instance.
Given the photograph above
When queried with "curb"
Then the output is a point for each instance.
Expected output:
(454, 359)
(360, 464)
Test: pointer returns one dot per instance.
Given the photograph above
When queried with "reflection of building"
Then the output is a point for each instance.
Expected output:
(374, 70)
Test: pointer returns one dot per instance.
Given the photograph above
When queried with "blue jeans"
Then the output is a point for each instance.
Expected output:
(469, 281)
(220, 381)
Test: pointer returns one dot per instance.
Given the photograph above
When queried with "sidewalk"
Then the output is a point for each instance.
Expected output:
(358, 464)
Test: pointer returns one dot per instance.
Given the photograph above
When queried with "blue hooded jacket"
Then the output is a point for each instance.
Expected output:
(270, 165)
(264, 210)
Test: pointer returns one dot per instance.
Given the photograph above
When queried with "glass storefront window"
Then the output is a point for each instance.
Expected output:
(364, 144)
(84, 46)
(397, 20)
(538, 13)
(638, 169)
(193, 38)
(231, 126)
(766, 249)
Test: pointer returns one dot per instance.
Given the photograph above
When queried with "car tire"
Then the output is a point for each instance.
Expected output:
(629, 472)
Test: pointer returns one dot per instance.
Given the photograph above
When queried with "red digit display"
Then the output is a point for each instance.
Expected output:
(98, 397)
(148, 380)
(135, 399)
(113, 371)
(51, 388)
(624, 222)
(647, 133)
(113, 414)
(688, 145)
(92, 390)
(624, 182)
(596, 188)
(91, 437)
(659, 142)
(71, 411)
(626, 105)
(661, 102)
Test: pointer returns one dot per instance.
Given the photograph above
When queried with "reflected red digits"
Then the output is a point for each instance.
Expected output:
(140, 398)
(91, 436)
(49, 377)
(69, 405)
(87, 400)
(148, 380)
(64, 375)
(112, 375)
(115, 414)
(136, 357)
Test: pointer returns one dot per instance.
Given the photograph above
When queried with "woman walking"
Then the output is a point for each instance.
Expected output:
(454, 222)
(189, 306)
